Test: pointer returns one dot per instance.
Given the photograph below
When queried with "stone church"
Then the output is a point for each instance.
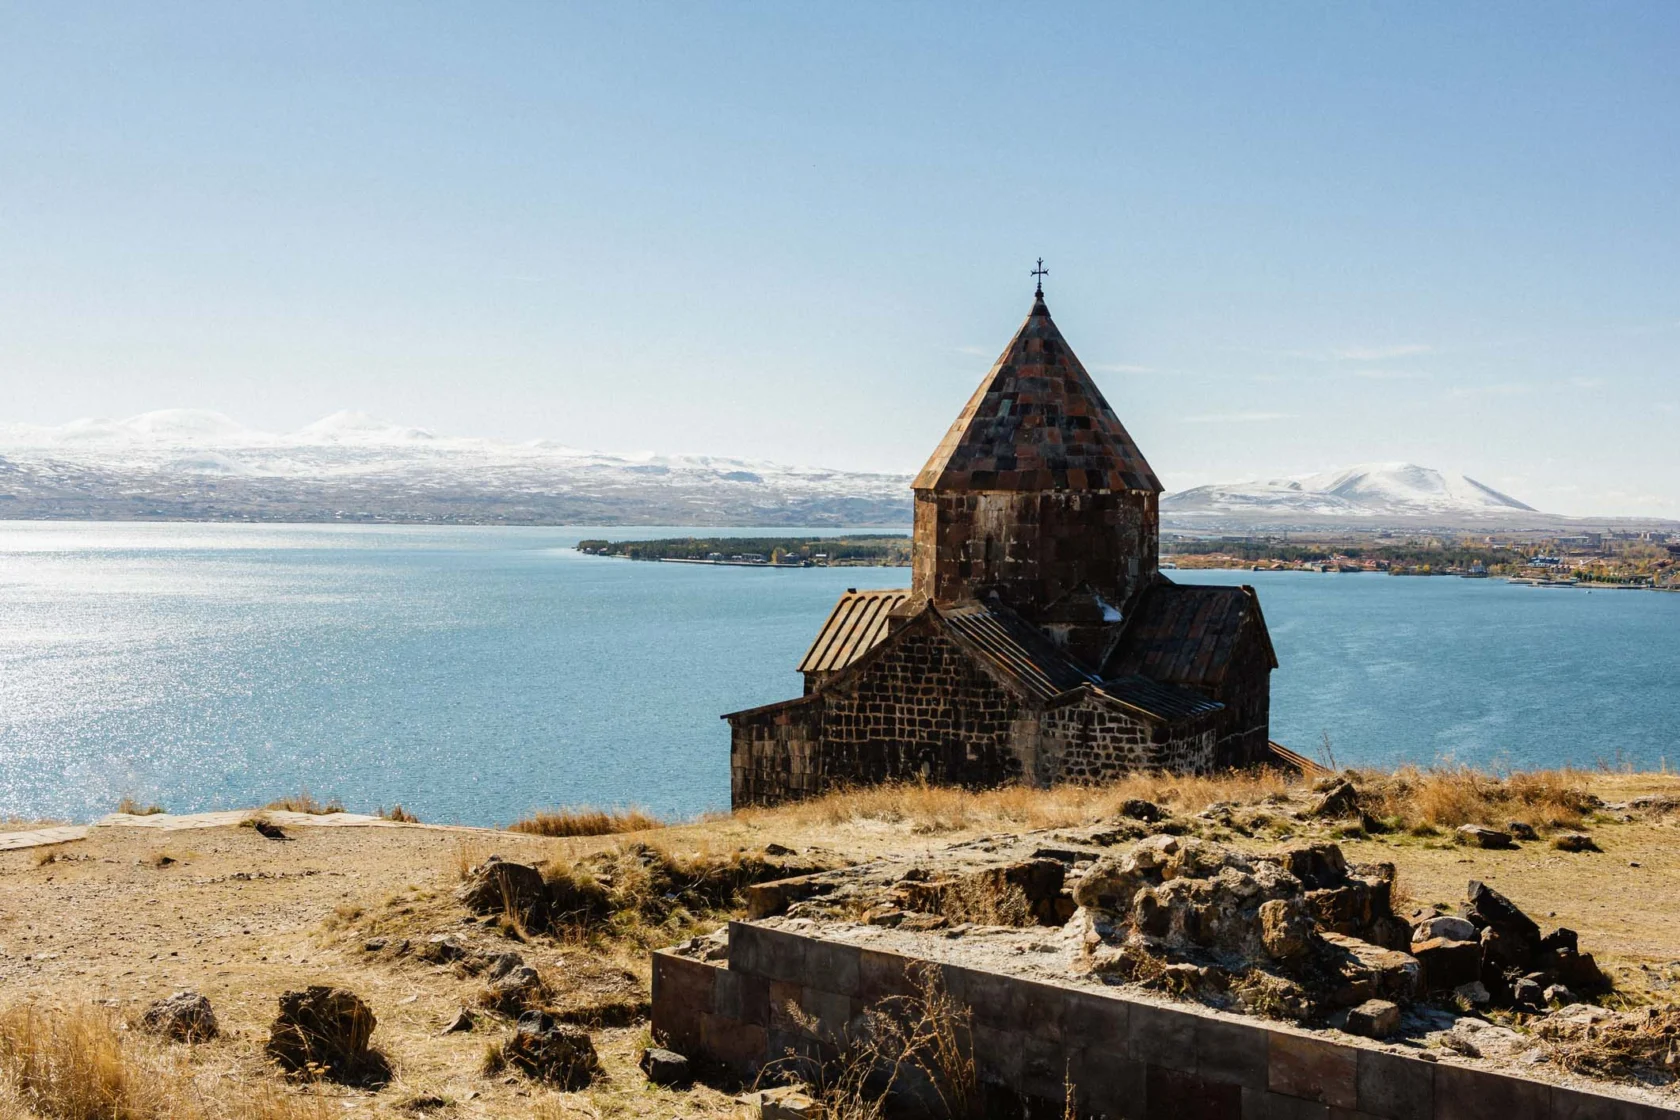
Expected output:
(1037, 641)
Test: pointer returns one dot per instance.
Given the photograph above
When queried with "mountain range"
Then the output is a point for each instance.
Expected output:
(194, 464)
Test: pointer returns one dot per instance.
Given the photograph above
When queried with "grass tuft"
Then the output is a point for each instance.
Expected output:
(586, 821)
(304, 802)
(135, 809)
(1426, 801)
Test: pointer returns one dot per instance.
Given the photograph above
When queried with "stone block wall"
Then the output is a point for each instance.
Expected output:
(918, 709)
(1125, 1057)
(775, 753)
(1034, 546)
(1091, 741)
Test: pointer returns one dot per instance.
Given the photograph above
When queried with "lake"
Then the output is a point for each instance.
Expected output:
(475, 673)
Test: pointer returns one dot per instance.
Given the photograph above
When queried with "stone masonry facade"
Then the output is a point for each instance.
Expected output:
(921, 708)
(1093, 742)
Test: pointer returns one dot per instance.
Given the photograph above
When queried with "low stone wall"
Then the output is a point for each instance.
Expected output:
(1125, 1057)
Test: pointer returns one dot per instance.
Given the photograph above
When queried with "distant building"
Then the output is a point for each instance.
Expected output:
(1038, 640)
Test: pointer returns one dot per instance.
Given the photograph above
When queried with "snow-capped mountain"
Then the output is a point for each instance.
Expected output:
(1370, 492)
(195, 463)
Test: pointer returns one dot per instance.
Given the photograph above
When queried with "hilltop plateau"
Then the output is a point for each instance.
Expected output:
(98, 926)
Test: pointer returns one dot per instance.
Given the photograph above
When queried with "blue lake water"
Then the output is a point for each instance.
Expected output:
(475, 673)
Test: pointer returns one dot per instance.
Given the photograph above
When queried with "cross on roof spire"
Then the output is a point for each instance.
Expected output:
(1041, 272)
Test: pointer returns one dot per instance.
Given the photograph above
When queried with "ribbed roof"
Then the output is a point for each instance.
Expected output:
(1037, 422)
(1168, 702)
(857, 622)
(1017, 649)
(1186, 634)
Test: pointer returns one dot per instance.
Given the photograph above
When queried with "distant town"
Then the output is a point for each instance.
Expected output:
(1634, 559)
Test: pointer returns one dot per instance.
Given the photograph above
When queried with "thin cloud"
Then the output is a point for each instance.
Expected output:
(1586, 382)
(1356, 354)
(1379, 353)
(1238, 417)
(1511, 389)
(1392, 374)
(1116, 367)
(976, 351)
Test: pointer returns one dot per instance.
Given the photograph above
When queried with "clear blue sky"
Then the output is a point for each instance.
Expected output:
(1284, 237)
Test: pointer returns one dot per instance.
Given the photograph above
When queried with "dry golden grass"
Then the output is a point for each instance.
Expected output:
(74, 1064)
(466, 854)
(645, 895)
(135, 809)
(304, 802)
(932, 809)
(397, 813)
(585, 821)
(1447, 797)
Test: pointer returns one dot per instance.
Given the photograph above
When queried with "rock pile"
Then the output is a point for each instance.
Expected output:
(498, 886)
(1516, 964)
(183, 1017)
(544, 1048)
(1296, 932)
(327, 1032)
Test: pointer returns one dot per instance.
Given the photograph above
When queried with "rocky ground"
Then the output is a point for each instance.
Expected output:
(131, 914)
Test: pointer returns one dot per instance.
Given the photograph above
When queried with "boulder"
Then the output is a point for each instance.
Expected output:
(1369, 971)
(324, 1030)
(544, 1048)
(765, 900)
(441, 948)
(1444, 927)
(183, 1017)
(664, 1067)
(1474, 994)
(1317, 866)
(1561, 938)
(1527, 993)
(501, 964)
(1510, 939)
(1286, 930)
(1375, 1018)
(497, 886)
(1578, 971)
(515, 990)
(1139, 809)
(1574, 842)
(1348, 908)
(1338, 801)
(1482, 836)
(1111, 882)
(1448, 964)
(1522, 831)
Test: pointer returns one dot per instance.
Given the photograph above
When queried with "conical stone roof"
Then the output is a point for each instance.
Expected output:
(1037, 422)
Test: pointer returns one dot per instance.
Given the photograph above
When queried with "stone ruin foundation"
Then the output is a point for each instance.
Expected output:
(1146, 976)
